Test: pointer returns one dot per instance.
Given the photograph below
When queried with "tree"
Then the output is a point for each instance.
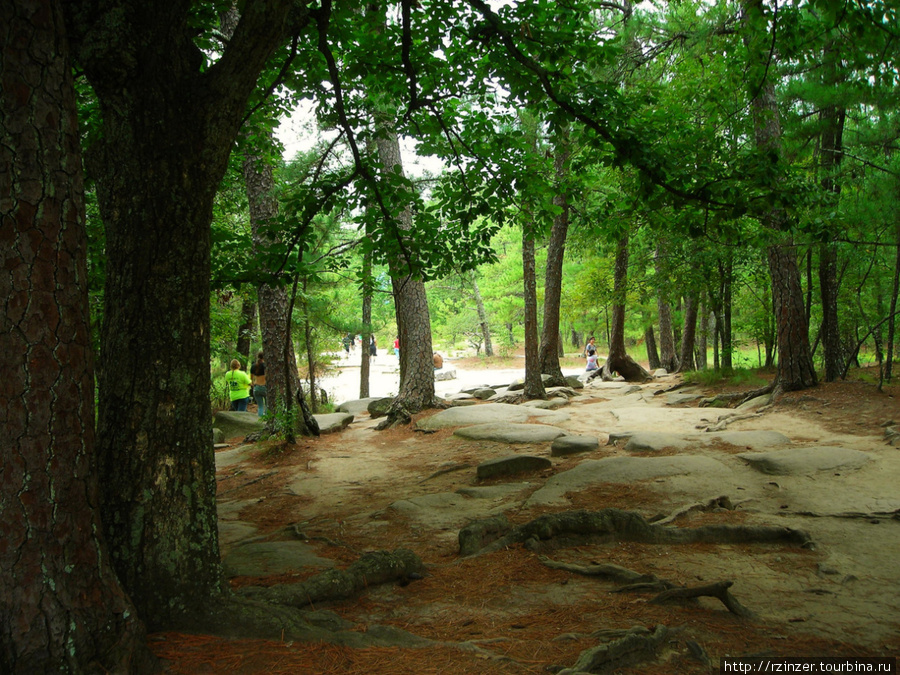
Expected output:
(618, 360)
(534, 384)
(62, 609)
(169, 119)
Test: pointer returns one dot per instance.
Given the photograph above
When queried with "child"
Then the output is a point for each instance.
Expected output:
(592, 362)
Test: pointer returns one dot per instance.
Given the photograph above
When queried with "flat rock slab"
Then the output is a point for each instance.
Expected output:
(622, 470)
(800, 461)
(227, 458)
(445, 510)
(752, 439)
(493, 492)
(257, 559)
(233, 531)
(549, 404)
(511, 433)
(444, 375)
(331, 423)
(489, 412)
(653, 441)
(235, 424)
(681, 399)
(570, 445)
(356, 406)
(512, 465)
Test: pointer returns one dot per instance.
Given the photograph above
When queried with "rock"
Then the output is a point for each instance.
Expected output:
(333, 422)
(570, 445)
(801, 461)
(483, 393)
(660, 372)
(519, 385)
(379, 407)
(654, 441)
(574, 382)
(444, 375)
(681, 399)
(509, 466)
(493, 492)
(752, 439)
(549, 404)
(218, 436)
(227, 458)
(475, 536)
(622, 470)
(237, 424)
(754, 403)
(564, 392)
(444, 510)
(462, 402)
(258, 559)
(511, 432)
(461, 396)
(489, 412)
(356, 406)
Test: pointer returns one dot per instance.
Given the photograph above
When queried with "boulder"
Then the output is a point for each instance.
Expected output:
(333, 422)
(654, 441)
(514, 464)
(379, 407)
(483, 393)
(444, 375)
(486, 413)
(356, 406)
(570, 445)
(510, 432)
(802, 461)
(218, 436)
(574, 382)
(237, 424)
(259, 559)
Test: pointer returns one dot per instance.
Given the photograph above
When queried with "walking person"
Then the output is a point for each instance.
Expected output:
(258, 380)
(238, 386)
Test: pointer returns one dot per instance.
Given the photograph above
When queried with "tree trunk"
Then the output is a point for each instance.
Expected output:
(158, 160)
(688, 333)
(667, 357)
(550, 342)
(482, 316)
(245, 330)
(618, 360)
(283, 386)
(889, 359)
(650, 344)
(831, 335)
(410, 305)
(309, 339)
(62, 609)
(365, 347)
(701, 360)
(534, 384)
(726, 273)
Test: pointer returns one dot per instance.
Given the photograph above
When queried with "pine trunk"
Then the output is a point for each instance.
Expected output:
(365, 363)
(550, 342)
(62, 609)
(668, 359)
(245, 330)
(618, 360)
(688, 333)
(482, 316)
(158, 161)
(650, 344)
(534, 385)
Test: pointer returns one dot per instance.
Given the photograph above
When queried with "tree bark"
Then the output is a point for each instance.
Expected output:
(245, 330)
(650, 343)
(365, 363)
(688, 333)
(618, 360)
(549, 349)
(701, 360)
(667, 357)
(62, 609)
(534, 384)
(283, 386)
(482, 316)
(726, 274)
(888, 365)
(168, 123)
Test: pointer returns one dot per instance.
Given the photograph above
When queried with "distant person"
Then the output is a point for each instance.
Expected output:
(346, 342)
(438, 361)
(238, 386)
(397, 346)
(590, 347)
(373, 347)
(352, 341)
(592, 362)
(258, 380)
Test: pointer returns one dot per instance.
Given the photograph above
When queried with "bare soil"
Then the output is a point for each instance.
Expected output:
(838, 599)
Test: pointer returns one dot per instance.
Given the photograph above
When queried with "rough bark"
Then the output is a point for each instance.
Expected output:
(550, 347)
(831, 335)
(168, 124)
(650, 344)
(701, 360)
(283, 388)
(688, 333)
(889, 360)
(62, 609)
(618, 360)
(365, 354)
(534, 384)
(668, 359)
(410, 306)
(795, 368)
(726, 274)
(482, 316)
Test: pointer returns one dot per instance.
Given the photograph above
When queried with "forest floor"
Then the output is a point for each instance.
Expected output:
(360, 490)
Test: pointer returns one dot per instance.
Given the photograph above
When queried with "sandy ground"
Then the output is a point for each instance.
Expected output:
(364, 490)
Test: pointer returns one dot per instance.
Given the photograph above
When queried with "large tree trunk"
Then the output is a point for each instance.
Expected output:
(283, 388)
(668, 359)
(889, 360)
(795, 368)
(701, 360)
(365, 347)
(618, 360)
(62, 609)
(482, 316)
(411, 308)
(650, 344)
(549, 349)
(726, 274)
(168, 124)
(534, 384)
(688, 333)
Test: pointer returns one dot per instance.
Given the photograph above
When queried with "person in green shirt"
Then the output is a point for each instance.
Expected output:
(238, 386)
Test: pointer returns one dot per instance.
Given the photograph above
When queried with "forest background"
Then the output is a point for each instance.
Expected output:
(736, 161)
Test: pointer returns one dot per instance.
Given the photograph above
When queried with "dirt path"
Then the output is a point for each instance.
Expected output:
(361, 490)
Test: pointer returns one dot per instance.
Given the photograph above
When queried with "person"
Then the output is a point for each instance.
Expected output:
(397, 346)
(238, 386)
(373, 348)
(590, 347)
(258, 382)
(346, 343)
(592, 362)
(438, 361)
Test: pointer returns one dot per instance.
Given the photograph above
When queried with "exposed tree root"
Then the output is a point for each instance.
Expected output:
(607, 525)
(717, 590)
(400, 413)
(615, 573)
(725, 420)
(627, 367)
(864, 515)
(371, 569)
(712, 504)
(448, 469)
(626, 649)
